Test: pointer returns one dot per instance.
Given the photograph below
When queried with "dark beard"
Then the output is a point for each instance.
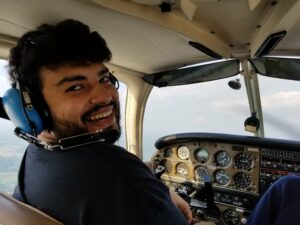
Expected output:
(63, 128)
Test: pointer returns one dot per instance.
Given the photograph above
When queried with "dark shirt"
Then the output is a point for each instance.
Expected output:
(98, 184)
(280, 205)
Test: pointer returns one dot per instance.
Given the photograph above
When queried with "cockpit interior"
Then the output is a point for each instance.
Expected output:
(160, 44)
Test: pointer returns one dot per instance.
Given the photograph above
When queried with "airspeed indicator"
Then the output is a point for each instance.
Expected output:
(183, 152)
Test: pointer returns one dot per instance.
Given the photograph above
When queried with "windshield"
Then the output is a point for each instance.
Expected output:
(204, 107)
(280, 101)
(215, 107)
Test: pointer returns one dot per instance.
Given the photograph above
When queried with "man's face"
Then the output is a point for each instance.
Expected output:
(81, 99)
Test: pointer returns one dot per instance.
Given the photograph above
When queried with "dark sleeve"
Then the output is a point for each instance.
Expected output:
(279, 205)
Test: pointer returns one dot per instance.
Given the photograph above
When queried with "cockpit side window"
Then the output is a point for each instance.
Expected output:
(11, 147)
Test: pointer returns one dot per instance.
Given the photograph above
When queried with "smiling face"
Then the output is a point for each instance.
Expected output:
(81, 99)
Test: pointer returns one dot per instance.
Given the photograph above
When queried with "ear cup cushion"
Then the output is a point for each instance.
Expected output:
(21, 117)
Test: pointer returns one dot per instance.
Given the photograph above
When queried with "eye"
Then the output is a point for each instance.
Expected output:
(114, 81)
(104, 79)
(74, 88)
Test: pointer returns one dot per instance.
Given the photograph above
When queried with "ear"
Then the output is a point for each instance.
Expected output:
(24, 118)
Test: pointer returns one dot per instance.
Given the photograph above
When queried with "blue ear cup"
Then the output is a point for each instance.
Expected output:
(27, 120)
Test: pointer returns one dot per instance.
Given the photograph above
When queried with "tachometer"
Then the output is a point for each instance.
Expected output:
(243, 161)
(231, 217)
(183, 152)
(242, 180)
(202, 155)
(223, 158)
(222, 177)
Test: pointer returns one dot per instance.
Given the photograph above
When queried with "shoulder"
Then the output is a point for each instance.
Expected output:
(99, 150)
(290, 182)
(92, 157)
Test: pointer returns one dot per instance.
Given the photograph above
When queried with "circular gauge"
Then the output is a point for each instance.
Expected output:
(243, 161)
(200, 171)
(231, 217)
(222, 177)
(201, 155)
(183, 152)
(182, 170)
(223, 158)
(242, 180)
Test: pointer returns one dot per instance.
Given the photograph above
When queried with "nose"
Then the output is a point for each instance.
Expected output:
(100, 95)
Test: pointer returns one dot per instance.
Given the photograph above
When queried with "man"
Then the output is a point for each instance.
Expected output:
(279, 205)
(61, 68)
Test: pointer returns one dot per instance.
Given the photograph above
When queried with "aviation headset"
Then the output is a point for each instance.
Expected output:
(18, 104)
(30, 116)
(24, 103)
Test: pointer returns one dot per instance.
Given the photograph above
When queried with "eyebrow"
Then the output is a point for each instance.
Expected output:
(79, 77)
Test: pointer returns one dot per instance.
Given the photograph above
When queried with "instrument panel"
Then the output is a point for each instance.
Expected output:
(233, 167)
(238, 169)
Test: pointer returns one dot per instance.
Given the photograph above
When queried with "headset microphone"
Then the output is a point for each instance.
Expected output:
(74, 141)
(83, 139)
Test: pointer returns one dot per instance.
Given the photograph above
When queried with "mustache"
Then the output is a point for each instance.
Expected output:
(97, 107)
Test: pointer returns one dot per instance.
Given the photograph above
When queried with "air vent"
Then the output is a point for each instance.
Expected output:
(269, 44)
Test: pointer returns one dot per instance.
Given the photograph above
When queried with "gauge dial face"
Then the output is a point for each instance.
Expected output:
(231, 217)
(222, 177)
(223, 158)
(242, 180)
(183, 152)
(202, 155)
(200, 171)
(182, 169)
(243, 161)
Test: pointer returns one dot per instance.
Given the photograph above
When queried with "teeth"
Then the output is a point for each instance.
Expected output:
(101, 115)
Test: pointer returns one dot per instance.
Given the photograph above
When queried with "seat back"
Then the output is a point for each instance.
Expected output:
(14, 212)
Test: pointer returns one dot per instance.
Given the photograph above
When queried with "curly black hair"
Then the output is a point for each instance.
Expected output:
(69, 42)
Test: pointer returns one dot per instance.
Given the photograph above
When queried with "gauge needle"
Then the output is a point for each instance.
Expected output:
(244, 178)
